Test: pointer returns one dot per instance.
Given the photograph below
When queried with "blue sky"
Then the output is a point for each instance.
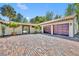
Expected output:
(30, 10)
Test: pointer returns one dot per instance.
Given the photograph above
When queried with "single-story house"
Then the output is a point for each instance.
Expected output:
(67, 26)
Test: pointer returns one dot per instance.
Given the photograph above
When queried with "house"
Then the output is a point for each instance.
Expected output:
(67, 26)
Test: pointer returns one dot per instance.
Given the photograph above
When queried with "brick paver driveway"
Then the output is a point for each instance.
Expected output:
(37, 45)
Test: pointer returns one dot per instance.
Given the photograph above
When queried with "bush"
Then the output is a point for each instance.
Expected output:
(13, 25)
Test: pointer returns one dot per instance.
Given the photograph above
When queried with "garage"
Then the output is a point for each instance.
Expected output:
(61, 29)
(47, 29)
(67, 26)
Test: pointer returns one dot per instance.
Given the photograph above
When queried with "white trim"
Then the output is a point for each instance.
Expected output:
(42, 29)
(71, 29)
(59, 19)
(51, 29)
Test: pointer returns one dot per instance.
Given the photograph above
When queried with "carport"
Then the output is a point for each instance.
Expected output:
(23, 28)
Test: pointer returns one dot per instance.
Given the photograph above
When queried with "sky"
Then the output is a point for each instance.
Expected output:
(30, 10)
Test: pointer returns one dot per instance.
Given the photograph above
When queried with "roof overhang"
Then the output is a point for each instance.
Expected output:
(25, 24)
(59, 20)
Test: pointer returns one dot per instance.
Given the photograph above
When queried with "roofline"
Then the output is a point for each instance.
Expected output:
(60, 19)
(26, 24)
(51, 21)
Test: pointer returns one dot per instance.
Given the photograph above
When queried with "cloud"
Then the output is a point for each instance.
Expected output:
(22, 6)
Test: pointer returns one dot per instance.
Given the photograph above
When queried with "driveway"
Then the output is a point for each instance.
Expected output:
(38, 45)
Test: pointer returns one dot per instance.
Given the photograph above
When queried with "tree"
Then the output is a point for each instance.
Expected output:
(70, 10)
(49, 15)
(18, 18)
(73, 9)
(77, 10)
(7, 10)
(25, 20)
(38, 19)
(32, 20)
(57, 16)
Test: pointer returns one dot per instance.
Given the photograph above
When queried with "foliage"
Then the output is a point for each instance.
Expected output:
(3, 26)
(12, 24)
(73, 9)
(49, 15)
(37, 28)
(70, 10)
(57, 16)
(77, 10)
(24, 20)
(7, 10)
(18, 18)
(38, 19)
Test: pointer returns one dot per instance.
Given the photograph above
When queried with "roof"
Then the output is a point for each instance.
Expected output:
(26, 24)
(71, 17)
(51, 21)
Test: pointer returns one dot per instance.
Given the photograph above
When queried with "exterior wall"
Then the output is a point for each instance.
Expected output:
(75, 26)
(42, 29)
(71, 29)
(0, 30)
(8, 31)
(71, 26)
(19, 30)
(32, 30)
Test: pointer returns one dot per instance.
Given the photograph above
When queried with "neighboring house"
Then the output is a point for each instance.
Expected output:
(64, 26)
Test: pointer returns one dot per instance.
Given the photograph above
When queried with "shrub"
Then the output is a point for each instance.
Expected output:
(13, 25)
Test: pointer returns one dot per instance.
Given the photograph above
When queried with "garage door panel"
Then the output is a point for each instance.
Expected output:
(47, 29)
(62, 29)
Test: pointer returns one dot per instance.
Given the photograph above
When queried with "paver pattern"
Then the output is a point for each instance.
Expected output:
(37, 45)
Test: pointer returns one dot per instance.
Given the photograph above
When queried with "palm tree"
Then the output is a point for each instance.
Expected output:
(7, 10)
